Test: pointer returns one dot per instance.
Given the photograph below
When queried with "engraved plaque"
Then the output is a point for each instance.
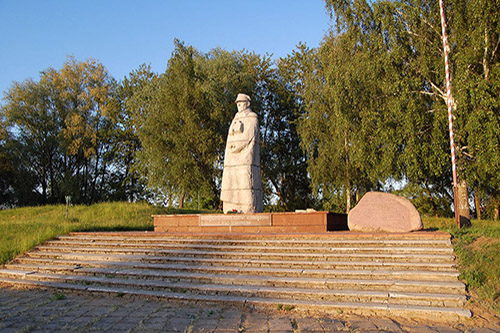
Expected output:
(235, 220)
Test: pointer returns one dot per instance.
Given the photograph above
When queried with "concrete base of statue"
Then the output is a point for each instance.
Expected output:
(297, 222)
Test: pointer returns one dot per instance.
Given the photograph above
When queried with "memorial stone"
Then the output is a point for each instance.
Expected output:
(384, 212)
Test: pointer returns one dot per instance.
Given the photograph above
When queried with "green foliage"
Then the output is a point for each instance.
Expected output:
(7, 167)
(428, 200)
(182, 119)
(396, 80)
(347, 130)
(63, 135)
(127, 143)
(283, 161)
(179, 129)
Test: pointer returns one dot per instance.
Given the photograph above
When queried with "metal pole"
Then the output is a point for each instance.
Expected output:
(449, 101)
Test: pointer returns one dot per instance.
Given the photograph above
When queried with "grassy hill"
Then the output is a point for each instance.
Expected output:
(478, 251)
(24, 228)
(477, 248)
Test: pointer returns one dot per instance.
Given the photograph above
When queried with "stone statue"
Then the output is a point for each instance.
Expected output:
(241, 181)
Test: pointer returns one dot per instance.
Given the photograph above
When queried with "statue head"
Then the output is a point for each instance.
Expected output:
(242, 102)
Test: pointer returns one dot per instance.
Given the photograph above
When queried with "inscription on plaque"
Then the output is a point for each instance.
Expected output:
(235, 220)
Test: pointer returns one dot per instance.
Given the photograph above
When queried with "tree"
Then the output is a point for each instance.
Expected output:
(187, 111)
(410, 33)
(131, 99)
(182, 118)
(284, 162)
(17, 181)
(176, 143)
(421, 97)
(348, 129)
(32, 114)
(187, 118)
(223, 75)
(7, 169)
(63, 131)
(477, 87)
(87, 100)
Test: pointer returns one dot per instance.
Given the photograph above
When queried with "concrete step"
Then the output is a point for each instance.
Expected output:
(69, 239)
(97, 260)
(258, 271)
(330, 236)
(364, 308)
(412, 273)
(427, 299)
(369, 283)
(244, 247)
(392, 257)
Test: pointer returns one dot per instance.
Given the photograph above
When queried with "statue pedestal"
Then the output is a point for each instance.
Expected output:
(307, 222)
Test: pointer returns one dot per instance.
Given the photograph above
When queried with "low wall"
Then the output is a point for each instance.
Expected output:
(307, 222)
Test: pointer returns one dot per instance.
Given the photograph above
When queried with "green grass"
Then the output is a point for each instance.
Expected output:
(281, 307)
(478, 253)
(59, 297)
(23, 228)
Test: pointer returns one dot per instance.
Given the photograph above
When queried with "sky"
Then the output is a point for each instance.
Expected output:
(123, 34)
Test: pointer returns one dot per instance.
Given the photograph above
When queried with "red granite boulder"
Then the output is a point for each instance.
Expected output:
(378, 211)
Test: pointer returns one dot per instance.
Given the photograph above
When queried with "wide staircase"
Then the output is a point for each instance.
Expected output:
(400, 274)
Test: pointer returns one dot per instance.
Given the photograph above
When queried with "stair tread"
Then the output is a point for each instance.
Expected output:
(244, 253)
(229, 287)
(138, 259)
(230, 278)
(308, 304)
(246, 241)
(276, 249)
(425, 235)
(269, 270)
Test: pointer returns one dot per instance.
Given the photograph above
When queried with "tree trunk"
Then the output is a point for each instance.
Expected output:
(169, 202)
(477, 202)
(93, 189)
(181, 199)
(348, 186)
(431, 197)
(348, 198)
(279, 193)
(463, 204)
(85, 185)
(496, 211)
(44, 191)
(486, 67)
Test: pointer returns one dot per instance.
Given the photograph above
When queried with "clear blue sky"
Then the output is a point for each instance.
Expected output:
(123, 34)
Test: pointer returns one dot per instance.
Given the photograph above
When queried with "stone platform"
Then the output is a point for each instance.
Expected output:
(298, 222)
(407, 275)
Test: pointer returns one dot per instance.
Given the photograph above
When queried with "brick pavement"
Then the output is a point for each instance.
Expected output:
(24, 310)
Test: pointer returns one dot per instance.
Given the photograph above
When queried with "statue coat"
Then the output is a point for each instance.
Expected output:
(241, 187)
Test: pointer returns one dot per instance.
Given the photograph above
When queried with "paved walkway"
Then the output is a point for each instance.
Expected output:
(43, 311)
